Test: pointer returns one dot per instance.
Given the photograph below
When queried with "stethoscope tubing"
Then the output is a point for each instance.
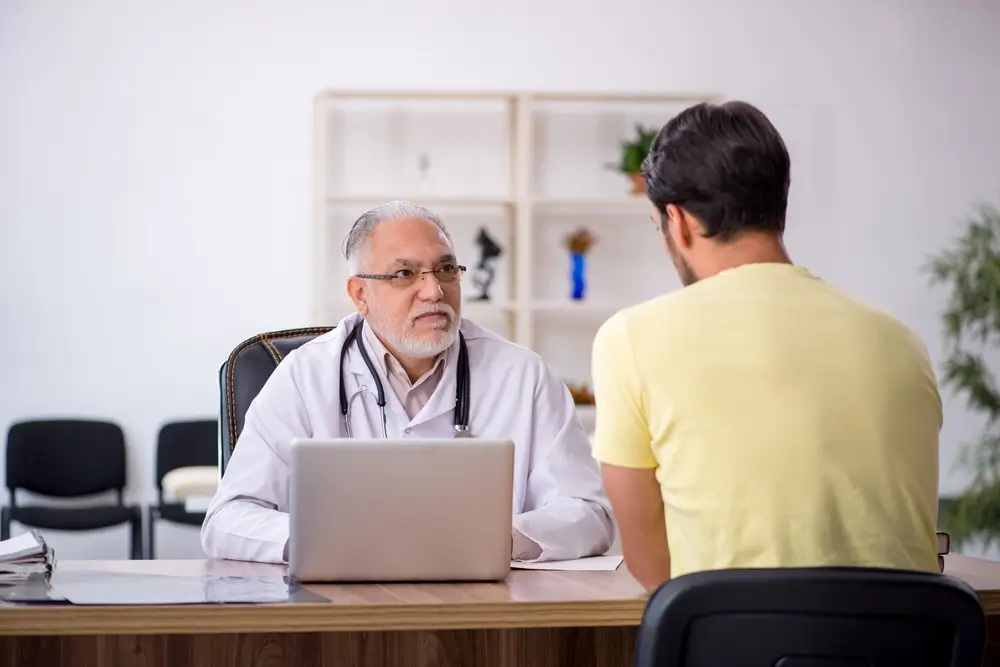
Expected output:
(462, 388)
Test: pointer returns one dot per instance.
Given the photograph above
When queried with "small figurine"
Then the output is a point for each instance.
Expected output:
(484, 274)
(579, 243)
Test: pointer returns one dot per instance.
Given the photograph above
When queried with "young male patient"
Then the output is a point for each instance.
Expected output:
(757, 417)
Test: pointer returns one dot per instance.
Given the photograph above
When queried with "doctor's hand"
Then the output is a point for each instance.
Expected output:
(523, 548)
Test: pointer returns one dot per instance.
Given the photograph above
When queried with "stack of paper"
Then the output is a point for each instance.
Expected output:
(24, 556)
(590, 564)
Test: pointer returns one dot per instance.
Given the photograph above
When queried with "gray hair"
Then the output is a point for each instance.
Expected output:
(357, 241)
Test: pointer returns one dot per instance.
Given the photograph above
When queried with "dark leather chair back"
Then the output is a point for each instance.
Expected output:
(243, 375)
(812, 617)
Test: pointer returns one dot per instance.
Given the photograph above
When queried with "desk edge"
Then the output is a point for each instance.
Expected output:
(53, 620)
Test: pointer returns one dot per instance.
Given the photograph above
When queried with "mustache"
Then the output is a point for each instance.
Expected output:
(433, 308)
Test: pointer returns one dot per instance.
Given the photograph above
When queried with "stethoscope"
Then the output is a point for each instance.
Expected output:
(461, 390)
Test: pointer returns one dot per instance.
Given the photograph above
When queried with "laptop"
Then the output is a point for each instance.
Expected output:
(400, 510)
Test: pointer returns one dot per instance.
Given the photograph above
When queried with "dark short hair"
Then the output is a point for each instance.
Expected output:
(724, 163)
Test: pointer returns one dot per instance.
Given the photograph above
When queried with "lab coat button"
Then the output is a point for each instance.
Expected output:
(407, 430)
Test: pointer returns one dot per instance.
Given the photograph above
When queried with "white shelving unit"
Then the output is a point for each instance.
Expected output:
(529, 167)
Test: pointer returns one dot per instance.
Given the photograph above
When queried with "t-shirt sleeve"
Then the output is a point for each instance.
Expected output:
(621, 434)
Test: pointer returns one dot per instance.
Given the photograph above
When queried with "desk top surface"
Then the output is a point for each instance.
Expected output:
(528, 598)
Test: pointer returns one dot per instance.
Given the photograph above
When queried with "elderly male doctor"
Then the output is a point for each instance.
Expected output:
(407, 290)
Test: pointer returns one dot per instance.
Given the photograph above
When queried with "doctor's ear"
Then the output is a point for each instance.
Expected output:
(356, 290)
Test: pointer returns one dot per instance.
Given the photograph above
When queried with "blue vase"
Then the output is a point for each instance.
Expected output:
(578, 274)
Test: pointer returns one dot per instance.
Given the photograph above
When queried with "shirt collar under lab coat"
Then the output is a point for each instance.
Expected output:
(443, 398)
(390, 364)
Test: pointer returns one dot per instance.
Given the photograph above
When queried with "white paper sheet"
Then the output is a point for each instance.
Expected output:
(592, 564)
(25, 544)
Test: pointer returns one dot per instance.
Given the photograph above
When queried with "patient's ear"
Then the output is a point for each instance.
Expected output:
(685, 228)
(356, 291)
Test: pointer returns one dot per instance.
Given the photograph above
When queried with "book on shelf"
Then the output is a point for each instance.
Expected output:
(24, 556)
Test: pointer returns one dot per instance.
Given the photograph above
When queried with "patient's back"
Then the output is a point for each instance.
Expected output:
(792, 425)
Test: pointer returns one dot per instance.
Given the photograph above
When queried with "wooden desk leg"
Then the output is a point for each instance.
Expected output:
(557, 647)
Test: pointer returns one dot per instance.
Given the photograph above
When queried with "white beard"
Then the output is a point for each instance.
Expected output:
(409, 345)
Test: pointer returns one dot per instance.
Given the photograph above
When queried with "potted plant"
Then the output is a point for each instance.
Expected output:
(581, 393)
(971, 269)
(633, 152)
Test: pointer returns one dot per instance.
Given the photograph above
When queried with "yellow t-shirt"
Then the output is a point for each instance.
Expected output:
(789, 424)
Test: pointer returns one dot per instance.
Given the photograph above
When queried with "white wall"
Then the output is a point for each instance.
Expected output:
(155, 162)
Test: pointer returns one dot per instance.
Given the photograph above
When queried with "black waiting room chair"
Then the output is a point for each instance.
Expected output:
(243, 374)
(812, 617)
(65, 459)
(180, 444)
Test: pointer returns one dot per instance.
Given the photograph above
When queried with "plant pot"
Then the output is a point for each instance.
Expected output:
(638, 185)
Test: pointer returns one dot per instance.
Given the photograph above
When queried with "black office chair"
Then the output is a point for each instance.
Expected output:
(180, 444)
(812, 617)
(244, 373)
(67, 458)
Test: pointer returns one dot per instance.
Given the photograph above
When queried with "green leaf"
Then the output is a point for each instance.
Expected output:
(635, 150)
(970, 269)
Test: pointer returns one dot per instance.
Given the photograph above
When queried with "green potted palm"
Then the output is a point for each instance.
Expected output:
(633, 152)
(970, 268)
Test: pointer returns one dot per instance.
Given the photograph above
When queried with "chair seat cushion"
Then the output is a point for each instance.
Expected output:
(177, 513)
(190, 481)
(74, 518)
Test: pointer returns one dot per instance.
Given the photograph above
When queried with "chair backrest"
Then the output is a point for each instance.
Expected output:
(186, 443)
(65, 458)
(244, 373)
(812, 617)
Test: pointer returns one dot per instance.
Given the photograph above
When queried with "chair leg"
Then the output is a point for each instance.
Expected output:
(136, 540)
(5, 523)
(150, 535)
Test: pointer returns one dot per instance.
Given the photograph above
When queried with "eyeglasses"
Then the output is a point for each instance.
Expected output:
(447, 274)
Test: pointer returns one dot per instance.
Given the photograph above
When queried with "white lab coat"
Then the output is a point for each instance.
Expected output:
(559, 500)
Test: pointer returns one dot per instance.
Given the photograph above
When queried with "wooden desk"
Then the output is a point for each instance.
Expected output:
(534, 618)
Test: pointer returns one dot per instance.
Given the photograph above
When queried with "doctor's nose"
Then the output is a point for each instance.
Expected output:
(430, 288)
